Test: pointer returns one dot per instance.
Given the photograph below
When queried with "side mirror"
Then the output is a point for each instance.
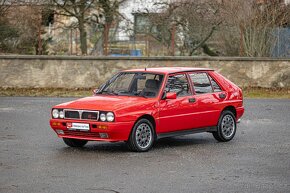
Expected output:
(170, 95)
(95, 91)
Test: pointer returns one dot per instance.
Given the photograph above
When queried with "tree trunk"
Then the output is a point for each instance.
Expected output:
(83, 37)
(106, 38)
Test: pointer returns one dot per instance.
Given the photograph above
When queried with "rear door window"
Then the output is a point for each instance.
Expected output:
(179, 84)
(201, 83)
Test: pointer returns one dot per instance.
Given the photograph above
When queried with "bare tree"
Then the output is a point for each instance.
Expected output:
(252, 25)
(77, 9)
(4, 6)
(7, 31)
(110, 12)
(109, 17)
(186, 24)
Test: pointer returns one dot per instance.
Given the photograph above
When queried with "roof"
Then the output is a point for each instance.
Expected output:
(168, 70)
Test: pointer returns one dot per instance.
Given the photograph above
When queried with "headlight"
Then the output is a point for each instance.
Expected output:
(110, 116)
(102, 117)
(55, 113)
(61, 114)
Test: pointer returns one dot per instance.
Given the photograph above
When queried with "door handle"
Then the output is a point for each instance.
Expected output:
(191, 100)
(222, 96)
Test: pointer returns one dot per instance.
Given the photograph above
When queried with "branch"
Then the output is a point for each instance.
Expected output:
(63, 6)
(205, 39)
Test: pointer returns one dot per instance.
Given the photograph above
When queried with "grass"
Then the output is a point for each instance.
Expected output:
(257, 92)
(249, 92)
(46, 92)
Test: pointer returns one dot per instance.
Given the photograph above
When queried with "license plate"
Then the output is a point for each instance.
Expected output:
(78, 126)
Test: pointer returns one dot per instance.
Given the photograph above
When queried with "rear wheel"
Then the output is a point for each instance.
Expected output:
(142, 136)
(227, 127)
(75, 142)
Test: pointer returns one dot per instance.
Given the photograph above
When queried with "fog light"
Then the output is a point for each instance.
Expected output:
(60, 132)
(104, 135)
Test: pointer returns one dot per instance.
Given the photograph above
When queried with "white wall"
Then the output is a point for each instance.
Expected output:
(134, 6)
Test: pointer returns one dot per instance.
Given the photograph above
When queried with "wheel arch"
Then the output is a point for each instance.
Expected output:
(232, 109)
(148, 117)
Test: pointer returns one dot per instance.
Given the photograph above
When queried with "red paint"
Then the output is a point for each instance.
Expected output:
(169, 113)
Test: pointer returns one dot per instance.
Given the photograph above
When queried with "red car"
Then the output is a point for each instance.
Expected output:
(142, 105)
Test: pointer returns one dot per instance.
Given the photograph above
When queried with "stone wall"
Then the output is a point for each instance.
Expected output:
(84, 72)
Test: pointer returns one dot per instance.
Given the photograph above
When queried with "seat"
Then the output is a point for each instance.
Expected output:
(151, 88)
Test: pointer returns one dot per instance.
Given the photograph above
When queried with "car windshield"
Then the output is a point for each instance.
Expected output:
(133, 84)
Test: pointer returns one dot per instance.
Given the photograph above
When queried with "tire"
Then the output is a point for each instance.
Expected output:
(142, 136)
(75, 142)
(226, 128)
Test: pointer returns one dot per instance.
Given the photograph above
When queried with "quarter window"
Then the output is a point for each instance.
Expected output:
(201, 83)
(215, 86)
(178, 84)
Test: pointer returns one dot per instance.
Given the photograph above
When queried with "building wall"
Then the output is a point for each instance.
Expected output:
(85, 72)
(134, 6)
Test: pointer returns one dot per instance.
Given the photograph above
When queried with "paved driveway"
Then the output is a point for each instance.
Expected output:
(33, 159)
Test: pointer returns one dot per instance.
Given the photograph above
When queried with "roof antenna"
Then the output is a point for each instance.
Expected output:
(146, 67)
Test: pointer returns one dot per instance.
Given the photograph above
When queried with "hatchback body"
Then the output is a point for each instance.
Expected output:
(142, 105)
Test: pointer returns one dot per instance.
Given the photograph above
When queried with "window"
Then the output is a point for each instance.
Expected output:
(178, 84)
(133, 84)
(201, 83)
(47, 17)
(143, 23)
(215, 86)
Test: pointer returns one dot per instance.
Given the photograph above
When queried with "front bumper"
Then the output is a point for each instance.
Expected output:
(99, 131)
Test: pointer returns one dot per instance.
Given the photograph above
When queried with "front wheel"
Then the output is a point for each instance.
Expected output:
(75, 142)
(142, 136)
(227, 127)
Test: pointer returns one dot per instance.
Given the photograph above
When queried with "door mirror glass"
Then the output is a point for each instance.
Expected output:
(170, 95)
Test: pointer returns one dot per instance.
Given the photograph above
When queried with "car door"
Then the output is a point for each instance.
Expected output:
(175, 114)
(208, 96)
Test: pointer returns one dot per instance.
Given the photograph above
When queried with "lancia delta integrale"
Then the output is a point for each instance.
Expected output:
(142, 105)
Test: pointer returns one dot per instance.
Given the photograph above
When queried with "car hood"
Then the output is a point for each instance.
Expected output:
(104, 102)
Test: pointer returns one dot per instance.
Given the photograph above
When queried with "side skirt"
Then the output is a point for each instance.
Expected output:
(186, 132)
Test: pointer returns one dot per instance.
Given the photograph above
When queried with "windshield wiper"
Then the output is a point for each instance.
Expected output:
(142, 95)
(110, 92)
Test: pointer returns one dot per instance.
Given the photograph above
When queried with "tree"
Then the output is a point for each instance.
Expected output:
(111, 14)
(7, 31)
(78, 9)
(252, 25)
(186, 24)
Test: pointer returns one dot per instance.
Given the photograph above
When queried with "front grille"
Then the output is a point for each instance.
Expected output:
(81, 134)
(81, 114)
(71, 114)
(90, 115)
